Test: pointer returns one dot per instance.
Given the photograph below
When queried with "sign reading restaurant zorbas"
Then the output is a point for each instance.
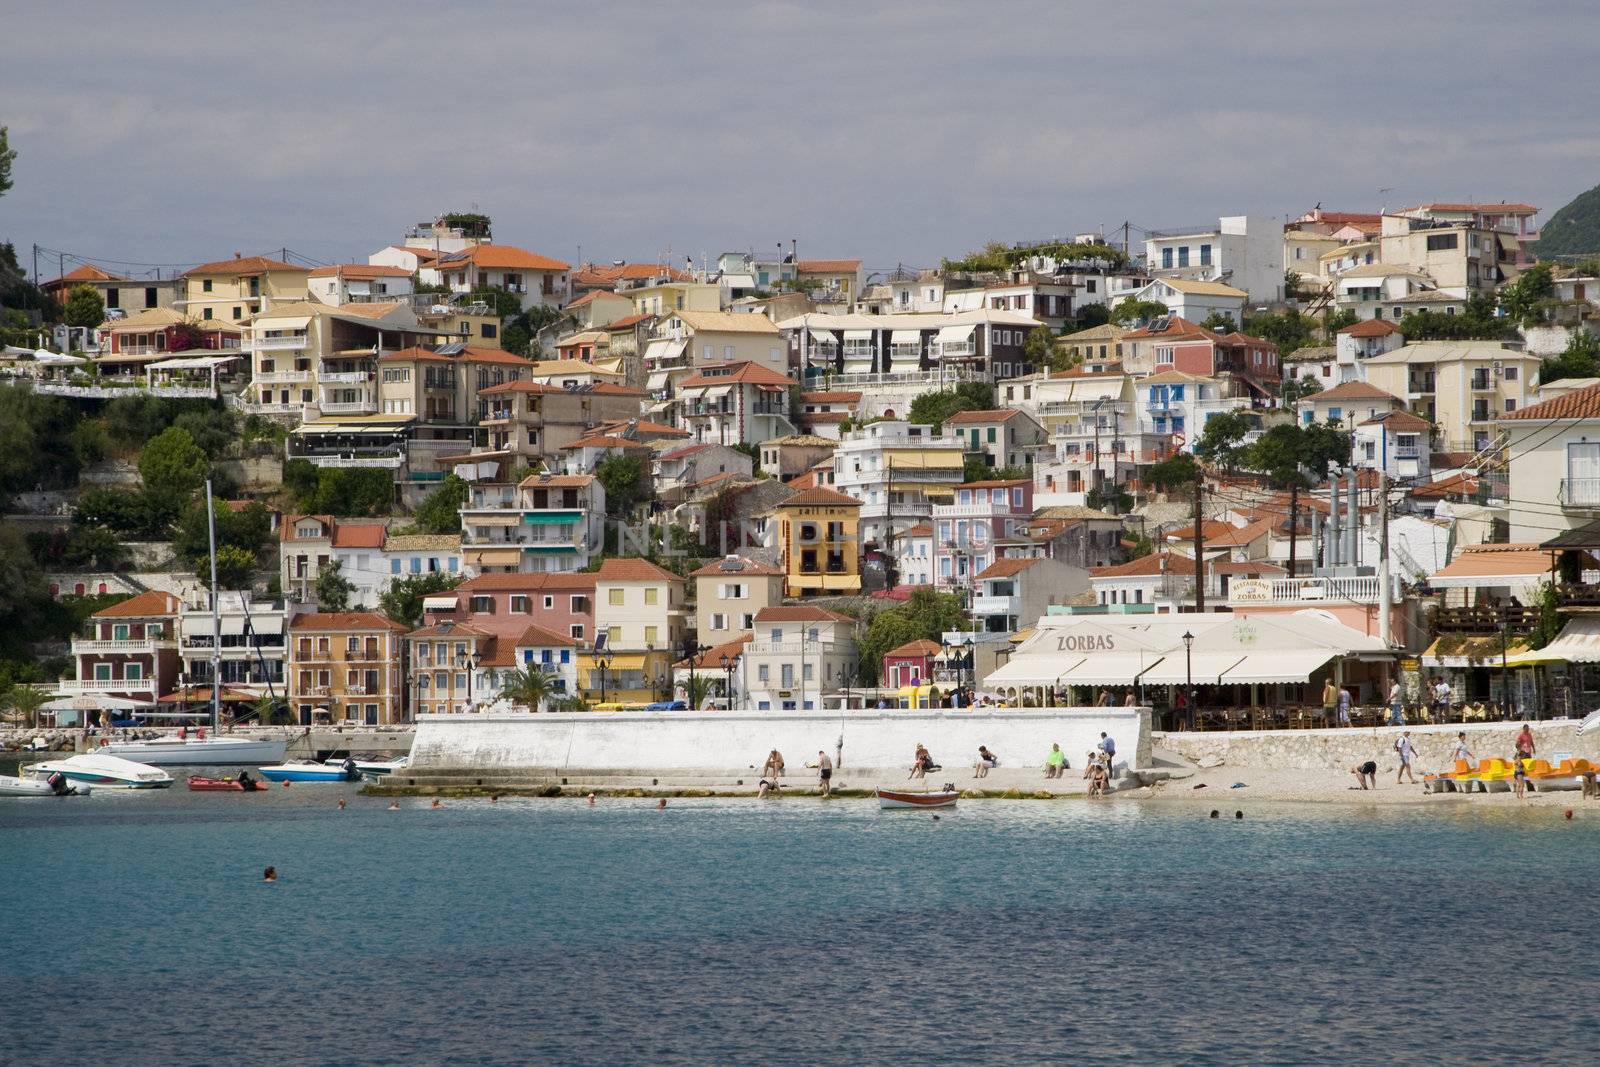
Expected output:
(1086, 643)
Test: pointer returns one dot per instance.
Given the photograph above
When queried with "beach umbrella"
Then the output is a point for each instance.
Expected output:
(1590, 721)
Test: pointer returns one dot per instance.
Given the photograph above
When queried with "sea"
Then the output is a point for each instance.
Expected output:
(140, 931)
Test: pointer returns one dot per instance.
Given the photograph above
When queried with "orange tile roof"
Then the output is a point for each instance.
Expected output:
(1370, 328)
(556, 481)
(1148, 566)
(359, 270)
(244, 265)
(594, 274)
(1497, 561)
(424, 255)
(542, 637)
(828, 266)
(820, 496)
(1213, 530)
(86, 273)
(594, 294)
(1577, 404)
(712, 657)
(606, 441)
(450, 628)
(1355, 391)
(1487, 209)
(831, 396)
(1398, 420)
(628, 320)
(920, 647)
(634, 570)
(987, 415)
(592, 389)
(345, 620)
(359, 534)
(581, 581)
(148, 604)
(1007, 568)
(799, 613)
(369, 311)
(1460, 484)
(745, 374)
(921, 529)
(500, 257)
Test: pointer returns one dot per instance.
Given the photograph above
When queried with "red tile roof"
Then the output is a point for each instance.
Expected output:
(1006, 568)
(345, 620)
(799, 613)
(989, 415)
(711, 658)
(359, 270)
(595, 274)
(359, 534)
(626, 321)
(920, 647)
(1398, 420)
(86, 273)
(1487, 209)
(634, 570)
(245, 265)
(745, 568)
(1355, 391)
(1370, 328)
(566, 581)
(1148, 566)
(831, 396)
(148, 604)
(500, 257)
(542, 637)
(606, 441)
(828, 266)
(728, 373)
(1576, 404)
(820, 496)
(1461, 484)
(556, 481)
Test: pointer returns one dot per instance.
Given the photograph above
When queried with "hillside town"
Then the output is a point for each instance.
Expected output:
(1253, 473)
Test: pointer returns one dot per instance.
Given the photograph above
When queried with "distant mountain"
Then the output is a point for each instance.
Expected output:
(1573, 230)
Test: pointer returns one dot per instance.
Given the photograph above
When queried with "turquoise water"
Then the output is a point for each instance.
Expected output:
(546, 931)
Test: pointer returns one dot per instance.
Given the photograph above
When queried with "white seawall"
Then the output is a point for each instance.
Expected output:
(685, 740)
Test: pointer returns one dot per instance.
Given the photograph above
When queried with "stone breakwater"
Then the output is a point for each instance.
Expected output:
(1340, 749)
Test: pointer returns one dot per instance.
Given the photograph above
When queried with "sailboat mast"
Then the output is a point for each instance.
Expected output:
(216, 619)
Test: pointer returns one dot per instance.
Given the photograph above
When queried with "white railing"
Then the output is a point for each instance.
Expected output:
(952, 349)
(1304, 590)
(109, 685)
(256, 408)
(393, 462)
(996, 605)
(197, 392)
(133, 646)
(275, 344)
(283, 376)
(792, 648)
(353, 377)
(346, 407)
(1580, 492)
(976, 511)
(87, 392)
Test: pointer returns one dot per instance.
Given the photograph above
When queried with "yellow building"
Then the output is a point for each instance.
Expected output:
(665, 297)
(1101, 343)
(237, 288)
(639, 608)
(348, 664)
(819, 538)
(1462, 387)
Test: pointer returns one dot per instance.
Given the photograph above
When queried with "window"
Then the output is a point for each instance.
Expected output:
(519, 605)
(650, 635)
(1511, 405)
(763, 673)
(483, 605)
(394, 566)
(613, 635)
(488, 329)
(1166, 258)
(991, 435)
(205, 313)
(1163, 353)
(549, 603)
(1511, 374)
(236, 311)
(205, 286)
(1205, 255)
(1183, 256)
(652, 595)
(614, 597)
(719, 622)
(575, 631)
(150, 298)
(1442, 242)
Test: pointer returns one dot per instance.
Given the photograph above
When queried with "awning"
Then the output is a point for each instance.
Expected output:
(192, 363)
(314, 429)
(906, 337)
(823, 337)
(1462, 653)
(552, 518)
(657, 381)
(1033, 670)
(439, 603)
(1115, 668)
(955, 333)
(666, 348)
(1578, 642)
(1205, 668)
(625, 661)
(1283, 665)
(858, 335)
(548, 550)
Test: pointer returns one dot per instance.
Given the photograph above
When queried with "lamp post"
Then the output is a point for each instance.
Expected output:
(727, 685)
(469, 662)
(691, 651)
(1188, 672)
(602, 662)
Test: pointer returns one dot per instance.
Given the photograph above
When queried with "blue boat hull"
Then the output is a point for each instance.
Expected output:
(303, 774)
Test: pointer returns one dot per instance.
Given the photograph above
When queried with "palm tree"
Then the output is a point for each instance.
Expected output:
(529, 687)
(26, 701)
(696, 689)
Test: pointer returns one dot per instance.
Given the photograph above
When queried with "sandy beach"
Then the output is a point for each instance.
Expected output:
(1333, 787)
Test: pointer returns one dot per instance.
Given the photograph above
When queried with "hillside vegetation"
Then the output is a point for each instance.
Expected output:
(1573, 230)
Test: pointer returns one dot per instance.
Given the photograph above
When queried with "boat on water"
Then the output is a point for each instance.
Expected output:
(889, 799)
(200, 784)
(373, 766)
(98, 769)
(28, 787)
(310, 771)
(198, 751)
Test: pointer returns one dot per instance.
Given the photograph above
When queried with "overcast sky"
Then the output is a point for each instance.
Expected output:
(167, 133)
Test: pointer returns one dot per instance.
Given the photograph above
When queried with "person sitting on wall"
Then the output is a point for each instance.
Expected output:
(1055, 762)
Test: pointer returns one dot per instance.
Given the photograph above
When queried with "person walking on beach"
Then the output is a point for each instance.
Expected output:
(1396, 700)
(1330, 699)
(1056, 762)
(825, 773)
(1462, 753)
(1344, 706)
(1525, 743)
(1408, 752)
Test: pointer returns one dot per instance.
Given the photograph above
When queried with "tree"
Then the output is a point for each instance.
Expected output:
(1089, 316)
(927, 614)
(1176, 473)
(95, 548)
(528, 687)
(1142, 547)
(338, 491)
(1522, 299)
(247, 528)
(84, 307)
(172, 463)
(1130, 311)
(1222, 440)
(1286, 452)
(1041, 348)
(625, 478)
(24, 702)
(975, 470)
(1109, 497)
(1219, 322)
(402, 601)
(333, 589)
(1477, 322)
(1338, 321)
(215, 431)
(1580, 359)
(1289, 330)
(1294, 389)
(440, 510)
(935, 408)
(7, 154)
(235, 567)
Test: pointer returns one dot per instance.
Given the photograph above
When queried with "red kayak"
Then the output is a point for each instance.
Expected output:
(223, 785)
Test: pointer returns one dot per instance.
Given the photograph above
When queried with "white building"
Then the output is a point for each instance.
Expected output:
(252, 643)
(799, 654)
(1245, 251)
(1554, 448)
(1194, 300)
(897, 470)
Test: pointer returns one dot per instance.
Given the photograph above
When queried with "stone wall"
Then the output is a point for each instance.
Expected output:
(690, 740)
(1337, 749)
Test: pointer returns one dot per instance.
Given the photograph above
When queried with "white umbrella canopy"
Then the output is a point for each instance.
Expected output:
(1590, 722)
(92, 703)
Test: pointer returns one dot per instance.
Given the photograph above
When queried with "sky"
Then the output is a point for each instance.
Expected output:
(164, 133)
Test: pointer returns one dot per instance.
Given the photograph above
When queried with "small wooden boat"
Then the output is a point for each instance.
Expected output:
(200, 784)
(895, 798)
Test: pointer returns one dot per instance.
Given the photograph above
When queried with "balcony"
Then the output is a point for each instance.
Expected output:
(283, 377)
(795, 648)
(350, 407)
(354, 377)
(952, 349)
(997, 605)
(108, 685)
(393, 460)
(1486, 619)
(1482, 383)
(134, 647)
(988, 510)
(275, 344)
(1304, 590)
(1580, 493)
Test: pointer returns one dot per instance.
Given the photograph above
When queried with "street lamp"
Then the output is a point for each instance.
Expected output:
(1188, 672)
(602, 662)
(727, 685)
(470, 664)
(691, 651)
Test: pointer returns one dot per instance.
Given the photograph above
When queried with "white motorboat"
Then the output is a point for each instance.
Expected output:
(27, 787)
(98, 769)
(198, 751)
(373, 766)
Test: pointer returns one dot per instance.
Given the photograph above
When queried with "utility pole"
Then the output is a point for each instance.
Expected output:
(1383, 557)
(1294, 521)
(1116, 447)
(1199, 544)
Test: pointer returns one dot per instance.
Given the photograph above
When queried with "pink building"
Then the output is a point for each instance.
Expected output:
(965, 531)
(910, 664)
(505, 605)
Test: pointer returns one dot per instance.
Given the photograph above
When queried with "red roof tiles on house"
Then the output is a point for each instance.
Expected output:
(1578, 404)
(245, 265)
(634, 570)
(1370, 328)
(499, 257)
(148, 604)
(820, 496)
(345, 621)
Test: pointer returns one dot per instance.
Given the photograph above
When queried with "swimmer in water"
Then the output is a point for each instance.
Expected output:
(394, 805)
(270, 874)
(436, 803)
(661, 803)
(591, 800)
(341, 803)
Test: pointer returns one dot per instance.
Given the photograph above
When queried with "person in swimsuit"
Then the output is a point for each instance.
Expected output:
(1365, 773)
(825, 772)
